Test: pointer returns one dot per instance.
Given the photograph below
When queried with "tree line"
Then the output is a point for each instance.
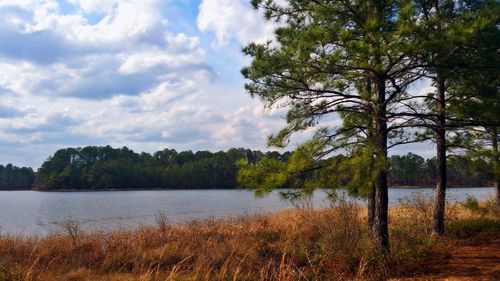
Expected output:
(102, 168)
(16, 178)
(414, 170)
(362, 61)
(97, 168)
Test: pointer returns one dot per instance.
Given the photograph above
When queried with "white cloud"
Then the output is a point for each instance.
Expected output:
(126, 20)
(181, 40)
(153, 57)
(123, 79)
(129, 51)
(233, 19)
(89, 6)
(121, 20)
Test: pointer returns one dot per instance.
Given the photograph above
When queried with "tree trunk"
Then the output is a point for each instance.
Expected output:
(439, 209)
(495, 164)
(379, 227)
(379, 230)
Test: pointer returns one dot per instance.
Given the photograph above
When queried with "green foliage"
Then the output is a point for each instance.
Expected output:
(365, 166)
(303, 173)
(16, 178)
(337, 58)
(266, 175)
(108, 168)
(304, 169)
(471, 203)
(473, 226)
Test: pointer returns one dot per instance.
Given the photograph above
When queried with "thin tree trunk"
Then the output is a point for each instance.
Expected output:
(380, 223)
(380, 219)
(379, 228)
(495, 164)
(440, 203)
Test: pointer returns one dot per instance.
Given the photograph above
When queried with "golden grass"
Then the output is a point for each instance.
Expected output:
(298, 244)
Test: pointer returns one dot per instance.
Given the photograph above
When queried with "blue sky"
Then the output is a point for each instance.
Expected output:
(147, 74)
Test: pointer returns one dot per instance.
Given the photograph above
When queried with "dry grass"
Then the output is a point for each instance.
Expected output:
(299, 244)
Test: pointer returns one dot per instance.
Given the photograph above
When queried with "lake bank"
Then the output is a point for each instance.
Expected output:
(31, 212)
(237, 188)
(299, 244)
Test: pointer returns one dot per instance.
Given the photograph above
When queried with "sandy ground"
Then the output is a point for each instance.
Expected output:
(476, 259)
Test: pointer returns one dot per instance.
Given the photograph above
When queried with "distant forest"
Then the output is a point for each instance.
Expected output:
(109, 168)
(15, 178)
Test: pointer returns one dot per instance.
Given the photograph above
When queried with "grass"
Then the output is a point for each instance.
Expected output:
(298, 244)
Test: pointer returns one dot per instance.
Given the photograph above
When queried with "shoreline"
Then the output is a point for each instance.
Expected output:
(262, 246)
(163, 218)
(194, 189)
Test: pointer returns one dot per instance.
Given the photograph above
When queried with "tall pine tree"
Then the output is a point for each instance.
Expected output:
(450, 32)
(352, 59)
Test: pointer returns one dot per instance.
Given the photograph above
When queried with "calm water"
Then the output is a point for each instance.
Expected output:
(31, 212)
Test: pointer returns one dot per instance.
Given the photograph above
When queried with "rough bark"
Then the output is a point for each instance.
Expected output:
(495, 164)
(381, 201)
(440, 203)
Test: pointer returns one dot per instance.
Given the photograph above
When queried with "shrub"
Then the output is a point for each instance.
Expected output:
(417, 211)
(485, 208)
(474, 226)
(471, 203)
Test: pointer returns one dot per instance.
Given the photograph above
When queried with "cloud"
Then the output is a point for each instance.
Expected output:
(43, 47)
(81, 72)
(90, 6)
(233, 19)
(8, 112)
(128, 51)
(36, 123)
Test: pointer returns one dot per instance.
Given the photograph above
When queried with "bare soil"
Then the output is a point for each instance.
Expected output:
(472, 259)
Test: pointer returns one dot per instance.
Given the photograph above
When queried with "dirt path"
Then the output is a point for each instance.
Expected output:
(477, 259)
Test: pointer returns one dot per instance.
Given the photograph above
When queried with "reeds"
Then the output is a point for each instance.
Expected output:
(298, 244)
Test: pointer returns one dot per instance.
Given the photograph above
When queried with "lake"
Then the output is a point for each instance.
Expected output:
(32, 212)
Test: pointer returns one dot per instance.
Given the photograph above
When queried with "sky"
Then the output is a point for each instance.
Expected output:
(146, 74)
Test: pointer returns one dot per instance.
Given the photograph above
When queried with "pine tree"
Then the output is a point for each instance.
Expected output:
(476, 89)
(352, 59)
(449, 33)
